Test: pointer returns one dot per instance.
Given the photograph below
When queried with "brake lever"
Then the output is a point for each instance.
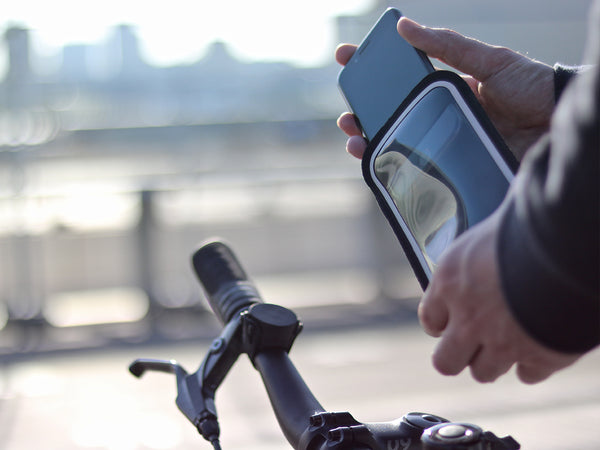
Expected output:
(196, 391)
(191, 399)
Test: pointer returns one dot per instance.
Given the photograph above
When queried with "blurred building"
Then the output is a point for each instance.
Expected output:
(111, 170)
(17, 42)
(109, 85)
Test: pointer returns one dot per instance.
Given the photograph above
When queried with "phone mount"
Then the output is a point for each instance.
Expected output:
(437, 167)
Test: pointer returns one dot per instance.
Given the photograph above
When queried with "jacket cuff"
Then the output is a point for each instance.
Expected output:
(562, 75)
(545, 301)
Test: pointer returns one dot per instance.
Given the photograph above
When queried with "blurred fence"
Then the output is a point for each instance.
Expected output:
(79, 255)
(104, 197)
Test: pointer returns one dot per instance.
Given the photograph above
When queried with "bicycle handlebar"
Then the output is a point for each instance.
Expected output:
(227, 286)
(229, 292)
(266, 332)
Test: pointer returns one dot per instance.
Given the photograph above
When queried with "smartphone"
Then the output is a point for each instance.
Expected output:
(381, 73)
(438, 168)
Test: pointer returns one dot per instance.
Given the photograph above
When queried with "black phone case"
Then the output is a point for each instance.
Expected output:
(480, 115)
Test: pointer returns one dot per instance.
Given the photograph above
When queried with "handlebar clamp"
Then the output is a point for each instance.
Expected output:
(268, 327)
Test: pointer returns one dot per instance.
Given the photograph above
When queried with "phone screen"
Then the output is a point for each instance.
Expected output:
(439, 172)
(382, 72)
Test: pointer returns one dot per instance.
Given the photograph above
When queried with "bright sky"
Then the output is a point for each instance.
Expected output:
(177, 31)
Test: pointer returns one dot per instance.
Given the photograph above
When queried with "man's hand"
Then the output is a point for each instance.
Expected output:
(465, 307)
(516, 92)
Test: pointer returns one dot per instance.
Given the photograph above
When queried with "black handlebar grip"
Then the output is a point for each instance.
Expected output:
(225, 282)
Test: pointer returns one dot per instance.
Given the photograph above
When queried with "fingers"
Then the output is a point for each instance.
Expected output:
(433, 312)
(536, 370)
(455, 351)
(344, 52)
(531, 374)
(473, 84)
(488, 364)
(356, 144)
(348, 125)
(464, 54)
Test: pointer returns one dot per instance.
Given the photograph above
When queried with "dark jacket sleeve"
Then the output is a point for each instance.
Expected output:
(562, 75)
(548, 244)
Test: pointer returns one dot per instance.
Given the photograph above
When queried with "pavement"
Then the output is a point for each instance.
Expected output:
(377, 369)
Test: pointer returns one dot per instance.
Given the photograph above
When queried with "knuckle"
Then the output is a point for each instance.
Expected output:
(503, 57)
(449, 35)
(483, 376)
(529, 378)
(501, 347)
(444, 365)
(432, 326)
(504, 52)
(532, 374)
(489, 371)
(448, 359)
(465, 333)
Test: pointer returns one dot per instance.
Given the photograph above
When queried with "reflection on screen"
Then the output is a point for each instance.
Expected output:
(438, 173)
(428, 206)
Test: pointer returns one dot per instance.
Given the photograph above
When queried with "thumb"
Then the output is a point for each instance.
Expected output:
(465, 54)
